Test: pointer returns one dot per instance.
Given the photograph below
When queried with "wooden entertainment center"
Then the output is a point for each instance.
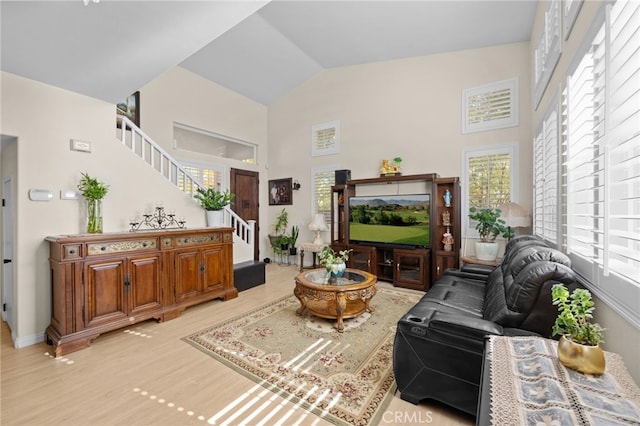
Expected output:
(404, 266)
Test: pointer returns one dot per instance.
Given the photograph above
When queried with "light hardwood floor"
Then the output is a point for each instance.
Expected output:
(146, 375)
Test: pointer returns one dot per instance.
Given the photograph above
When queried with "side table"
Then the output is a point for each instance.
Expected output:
(310, 247)
(524, 383)
(474, 261)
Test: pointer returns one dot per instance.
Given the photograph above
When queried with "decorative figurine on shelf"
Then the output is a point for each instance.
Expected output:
(446, 218)
(447, 198)
(447, 240)
(391, 169)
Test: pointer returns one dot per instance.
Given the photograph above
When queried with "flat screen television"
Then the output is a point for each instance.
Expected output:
(401, 220)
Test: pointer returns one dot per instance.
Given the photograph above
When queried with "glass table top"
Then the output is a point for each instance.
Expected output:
(321, 276)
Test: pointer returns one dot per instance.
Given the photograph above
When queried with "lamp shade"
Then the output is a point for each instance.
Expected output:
(318, 223)
(515, 215)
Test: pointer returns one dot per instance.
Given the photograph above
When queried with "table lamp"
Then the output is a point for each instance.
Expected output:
(515, 216)
(318, 226)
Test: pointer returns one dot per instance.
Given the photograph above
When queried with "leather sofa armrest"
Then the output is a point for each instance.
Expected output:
(467, 275)
(464, 326)
(477, 269)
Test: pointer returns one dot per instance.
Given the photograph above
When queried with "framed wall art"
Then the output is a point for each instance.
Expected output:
(130, 108)
(280, 192)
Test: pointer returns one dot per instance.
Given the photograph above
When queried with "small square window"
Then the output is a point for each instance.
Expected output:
(325, 138)
(492, 106)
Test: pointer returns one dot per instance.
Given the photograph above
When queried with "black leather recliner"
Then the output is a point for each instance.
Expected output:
(439, 343)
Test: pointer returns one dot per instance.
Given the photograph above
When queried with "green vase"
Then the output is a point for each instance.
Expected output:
(94, 216)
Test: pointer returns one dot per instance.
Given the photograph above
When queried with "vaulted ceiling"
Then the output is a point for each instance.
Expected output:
(260, 49)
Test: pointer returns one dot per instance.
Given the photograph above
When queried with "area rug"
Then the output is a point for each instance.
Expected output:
(345, 378)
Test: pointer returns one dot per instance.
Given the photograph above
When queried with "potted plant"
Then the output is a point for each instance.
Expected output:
(293, 238)
(579, 345)
(278, 239)
(93, 191)
(336, 263)
(489, 226)
(213, 201)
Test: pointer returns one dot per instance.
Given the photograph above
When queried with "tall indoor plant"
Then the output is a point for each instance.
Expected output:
(579, 345)
(213, 201)
(93, 191)
(489, 226)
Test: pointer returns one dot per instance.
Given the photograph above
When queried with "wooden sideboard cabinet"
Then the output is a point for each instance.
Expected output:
(101, 282)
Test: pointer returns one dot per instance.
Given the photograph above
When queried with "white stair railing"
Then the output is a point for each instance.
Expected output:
(155, 156)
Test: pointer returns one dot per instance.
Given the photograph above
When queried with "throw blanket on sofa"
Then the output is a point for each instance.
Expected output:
(529, 386)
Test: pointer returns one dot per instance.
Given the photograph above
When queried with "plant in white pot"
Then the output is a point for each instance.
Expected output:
(579, 345)
(489, 226)
(214, 201)
(336, 263)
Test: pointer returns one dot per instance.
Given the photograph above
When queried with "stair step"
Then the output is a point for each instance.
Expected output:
(248, 274)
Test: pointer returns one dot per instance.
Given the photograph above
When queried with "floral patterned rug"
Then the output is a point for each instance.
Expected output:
(346, 378)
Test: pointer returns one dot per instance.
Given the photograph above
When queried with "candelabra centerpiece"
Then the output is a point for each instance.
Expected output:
(157, 220)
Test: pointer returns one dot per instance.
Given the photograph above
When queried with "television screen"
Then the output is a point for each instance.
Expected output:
(391, 219)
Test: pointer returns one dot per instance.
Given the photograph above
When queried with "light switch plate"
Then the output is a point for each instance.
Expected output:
(78, 145)
(40, 194)
(69, 194)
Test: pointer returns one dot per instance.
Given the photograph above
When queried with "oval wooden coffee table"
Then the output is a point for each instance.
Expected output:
(348, 297)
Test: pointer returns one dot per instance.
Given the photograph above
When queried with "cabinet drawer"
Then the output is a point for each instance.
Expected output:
(190, 240)
(121, 246)
(71, 251)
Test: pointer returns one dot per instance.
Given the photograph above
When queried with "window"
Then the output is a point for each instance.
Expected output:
(487, 179)
(208, 174)
(548, 49)
(546, 177)
(322, 179)
(601, 144)
(202, 141)
(325, 138)
(492, 106)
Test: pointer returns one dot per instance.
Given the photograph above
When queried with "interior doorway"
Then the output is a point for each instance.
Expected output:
(244, 184)
(7, 253)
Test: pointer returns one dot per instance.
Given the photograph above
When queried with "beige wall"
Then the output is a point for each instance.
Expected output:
(409, 108)
(620, 335)
(44, 119)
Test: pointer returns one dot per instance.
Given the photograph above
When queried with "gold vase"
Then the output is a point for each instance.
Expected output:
(582, 358)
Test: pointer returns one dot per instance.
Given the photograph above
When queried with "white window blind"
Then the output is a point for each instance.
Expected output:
(210, 175)
(548, 50)
(487, 179)
(491, 106)
(325, 138)
(602, 142)
(322, 180)
(546, 178)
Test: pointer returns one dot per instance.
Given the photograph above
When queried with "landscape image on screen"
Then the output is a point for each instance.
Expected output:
(392, 219)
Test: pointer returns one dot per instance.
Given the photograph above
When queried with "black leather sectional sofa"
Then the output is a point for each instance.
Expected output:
(439, 343)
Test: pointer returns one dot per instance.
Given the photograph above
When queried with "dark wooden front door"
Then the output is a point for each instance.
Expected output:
(245, 185)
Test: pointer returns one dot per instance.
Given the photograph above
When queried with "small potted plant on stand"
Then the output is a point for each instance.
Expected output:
(335, 263)
(93, 191)
(489, 226)
(213, 201)
(278, 239)
(293, 238)
(579, 344)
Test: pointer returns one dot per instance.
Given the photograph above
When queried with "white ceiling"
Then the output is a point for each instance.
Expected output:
(110, 49)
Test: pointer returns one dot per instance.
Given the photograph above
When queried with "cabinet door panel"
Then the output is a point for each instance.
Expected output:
(144, 288)
(214, 271)
(188, 281)
(104, 292)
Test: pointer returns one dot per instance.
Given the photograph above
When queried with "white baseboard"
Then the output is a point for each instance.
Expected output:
(27, 341)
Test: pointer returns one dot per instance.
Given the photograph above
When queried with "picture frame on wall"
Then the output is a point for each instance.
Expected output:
(280, 192)
(130, 108)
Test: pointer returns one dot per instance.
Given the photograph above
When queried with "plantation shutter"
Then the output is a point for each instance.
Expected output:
(546, 179)
(325, 138)
(491, 106)
(623, 142)
(603, 151)
(489, 180)
(323, 180)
